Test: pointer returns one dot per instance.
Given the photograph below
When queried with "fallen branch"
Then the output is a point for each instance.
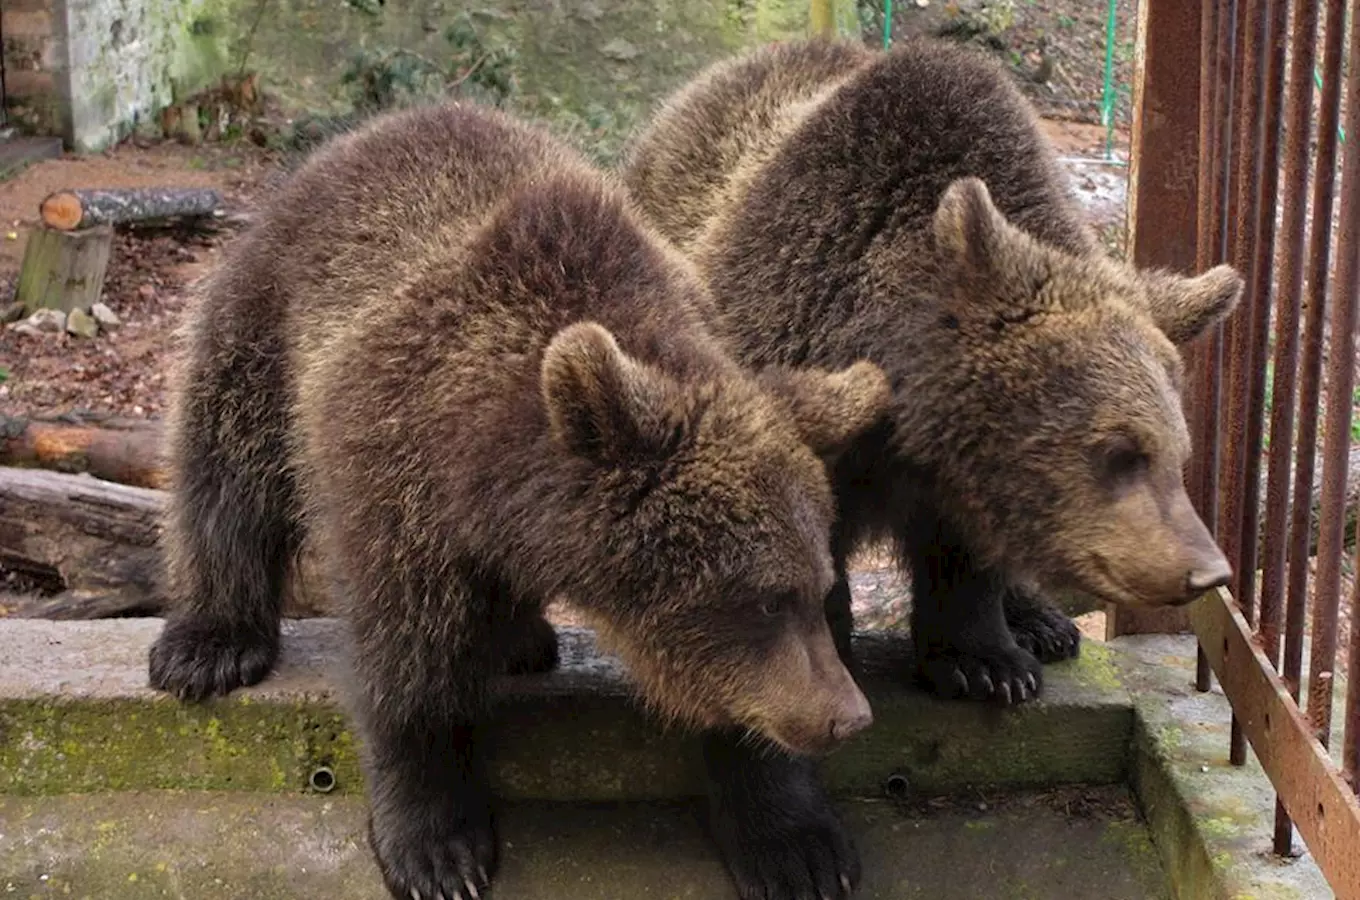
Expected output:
(69, 210)
(123, 452)
(97, 543)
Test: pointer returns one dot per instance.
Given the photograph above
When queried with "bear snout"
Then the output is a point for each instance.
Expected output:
(852, 720)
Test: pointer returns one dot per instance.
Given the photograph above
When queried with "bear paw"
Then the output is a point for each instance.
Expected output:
(195, 658)
(429, 857)
(1008, 674)
(1044, 631)
(787, 853)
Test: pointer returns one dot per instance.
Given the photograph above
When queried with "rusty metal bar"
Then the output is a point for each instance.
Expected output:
(1325, 808)
(1250, 157)
(1258, 329)
(1336, 435)
(1163, 174)
(1204, 361)
(1310, 369)
(1288, 312)
(1350, 757)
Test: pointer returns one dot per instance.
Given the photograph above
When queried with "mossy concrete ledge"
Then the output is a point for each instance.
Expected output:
(76, 716)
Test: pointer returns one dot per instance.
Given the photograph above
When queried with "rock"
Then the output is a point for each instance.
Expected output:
(12, 313)
(82, 324)
(620, 50)
(107, 318)
(26, 329)
(52, 321)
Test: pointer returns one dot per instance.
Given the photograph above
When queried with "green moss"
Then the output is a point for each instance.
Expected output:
(55, 746)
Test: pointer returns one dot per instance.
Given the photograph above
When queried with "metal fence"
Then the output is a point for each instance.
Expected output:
(1242, 110)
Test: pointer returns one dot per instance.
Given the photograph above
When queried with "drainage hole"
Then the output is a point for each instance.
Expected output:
(897, 786)
(322, 780)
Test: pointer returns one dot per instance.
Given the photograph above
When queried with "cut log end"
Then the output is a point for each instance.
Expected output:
(78, 209)
(62, 210)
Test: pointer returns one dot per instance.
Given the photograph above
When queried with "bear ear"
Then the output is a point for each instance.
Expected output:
(831, 409)
(1184, 308)
(602, 403)
(968, 228)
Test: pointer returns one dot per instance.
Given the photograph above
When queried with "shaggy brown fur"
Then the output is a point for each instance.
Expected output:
(452, 357)
(904, 207)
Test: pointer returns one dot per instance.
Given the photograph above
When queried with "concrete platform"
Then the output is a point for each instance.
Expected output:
(1076, 845)
(105, 782)
(76, 716)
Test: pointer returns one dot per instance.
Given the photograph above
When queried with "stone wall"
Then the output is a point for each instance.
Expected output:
(93, 70)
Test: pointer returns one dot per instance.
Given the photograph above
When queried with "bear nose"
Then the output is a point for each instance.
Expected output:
(1215, 575)
(853, 721)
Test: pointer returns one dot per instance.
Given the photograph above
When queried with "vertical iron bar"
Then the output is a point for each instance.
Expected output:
(1248, 140)
(1288, 312)
(1336, 438)
(1224, 35)
(1202, 400)
(1263, 258)
(1310, 369)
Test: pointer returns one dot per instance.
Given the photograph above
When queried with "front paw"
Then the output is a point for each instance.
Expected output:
(1006, 674)
(1043, 630)
(788, 847)
(426, 854)
(196, 658)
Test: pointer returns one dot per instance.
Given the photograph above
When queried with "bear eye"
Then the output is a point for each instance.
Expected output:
(775, 605)
(1123, 459)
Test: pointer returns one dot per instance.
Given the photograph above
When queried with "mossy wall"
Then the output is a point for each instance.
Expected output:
(591, 67)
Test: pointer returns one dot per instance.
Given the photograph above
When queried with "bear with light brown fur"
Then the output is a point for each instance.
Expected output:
(904, 207)
(452, 358)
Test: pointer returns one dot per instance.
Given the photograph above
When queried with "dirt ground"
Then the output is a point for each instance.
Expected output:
(123, 371)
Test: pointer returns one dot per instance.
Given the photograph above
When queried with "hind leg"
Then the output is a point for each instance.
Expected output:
(231, 529)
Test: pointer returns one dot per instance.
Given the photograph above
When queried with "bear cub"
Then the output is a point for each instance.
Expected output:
(450, 357)
(905, 207)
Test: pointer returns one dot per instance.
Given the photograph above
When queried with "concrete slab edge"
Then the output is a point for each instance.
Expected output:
(76, 717)
(1212, 822)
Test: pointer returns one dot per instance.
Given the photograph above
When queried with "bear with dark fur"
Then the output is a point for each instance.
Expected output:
(451, 357)
(903, 206)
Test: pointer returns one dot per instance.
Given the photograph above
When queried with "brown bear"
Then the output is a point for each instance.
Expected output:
(453, 359)
(904, 207)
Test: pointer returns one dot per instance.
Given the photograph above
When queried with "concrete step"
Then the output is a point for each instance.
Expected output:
(1077, 844)
(76, 716)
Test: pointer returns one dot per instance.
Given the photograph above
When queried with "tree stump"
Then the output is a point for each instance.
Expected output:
(64, 269)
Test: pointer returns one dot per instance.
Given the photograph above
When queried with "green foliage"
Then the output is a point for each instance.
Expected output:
(4, 374)
(388, 78)
(1355, 414)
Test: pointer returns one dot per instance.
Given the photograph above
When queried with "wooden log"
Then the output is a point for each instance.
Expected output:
(63, 270)
(97, 543)
(95, 538)
(78, 209)
(127, 455)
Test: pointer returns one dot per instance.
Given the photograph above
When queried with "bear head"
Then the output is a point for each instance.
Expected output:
(1051, 411)
(714, 512)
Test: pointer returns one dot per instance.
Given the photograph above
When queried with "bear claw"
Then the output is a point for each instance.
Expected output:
(1008, 675)
(425, 856)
